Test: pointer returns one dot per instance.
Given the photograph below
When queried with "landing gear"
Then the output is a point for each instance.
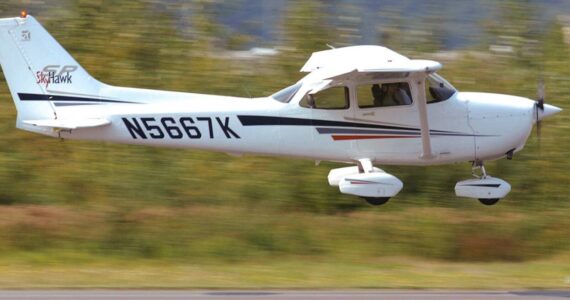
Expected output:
(366, 181)
(487, 189)
(376, 200)
(478, 165)
(489, 201)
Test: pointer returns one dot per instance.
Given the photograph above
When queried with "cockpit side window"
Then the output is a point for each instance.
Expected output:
(331, 98)
(383, 94)
(438, 89)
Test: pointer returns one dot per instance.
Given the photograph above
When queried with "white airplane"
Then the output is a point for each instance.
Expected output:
(360, 105)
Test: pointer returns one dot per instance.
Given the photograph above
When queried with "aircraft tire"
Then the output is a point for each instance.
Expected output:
(376, 200)
(489, 201)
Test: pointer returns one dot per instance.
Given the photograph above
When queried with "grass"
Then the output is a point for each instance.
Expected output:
(244, 248)
(298, 273)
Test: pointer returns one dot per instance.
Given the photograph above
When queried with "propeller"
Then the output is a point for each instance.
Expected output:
(542, 110)
(539, 105)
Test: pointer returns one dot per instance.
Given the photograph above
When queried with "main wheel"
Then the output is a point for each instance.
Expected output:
(376, 200)
(489, 201)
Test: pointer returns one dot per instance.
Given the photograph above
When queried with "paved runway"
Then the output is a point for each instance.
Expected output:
(278, 295)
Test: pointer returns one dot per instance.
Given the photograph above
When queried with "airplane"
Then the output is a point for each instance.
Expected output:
(359, 105)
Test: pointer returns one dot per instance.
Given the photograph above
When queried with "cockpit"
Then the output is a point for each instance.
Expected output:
(438, 89)
(378, 91)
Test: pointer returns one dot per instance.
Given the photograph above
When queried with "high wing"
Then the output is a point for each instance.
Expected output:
(336, 65)
(411, 66)
(367, 59)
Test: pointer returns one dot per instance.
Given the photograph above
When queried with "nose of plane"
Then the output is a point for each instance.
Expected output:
(548, 111)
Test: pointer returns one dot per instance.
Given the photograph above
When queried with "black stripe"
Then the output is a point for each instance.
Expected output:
(495, 185)
(284, 121)
(43, 97)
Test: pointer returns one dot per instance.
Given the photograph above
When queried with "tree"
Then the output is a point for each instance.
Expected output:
(517, 26)
(306, 30)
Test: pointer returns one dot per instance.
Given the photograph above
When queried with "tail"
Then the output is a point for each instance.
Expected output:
(40, 73)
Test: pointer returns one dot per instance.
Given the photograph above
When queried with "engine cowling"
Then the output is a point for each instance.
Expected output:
(374, 184)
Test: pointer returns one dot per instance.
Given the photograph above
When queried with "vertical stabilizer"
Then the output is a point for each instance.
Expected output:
(38, 69)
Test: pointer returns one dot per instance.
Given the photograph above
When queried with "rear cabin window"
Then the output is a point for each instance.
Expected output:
(331, 98)
(384, 94)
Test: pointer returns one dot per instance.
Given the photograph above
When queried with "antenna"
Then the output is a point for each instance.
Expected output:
(332, 47)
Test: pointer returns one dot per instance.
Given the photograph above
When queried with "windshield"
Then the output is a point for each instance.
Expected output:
(438, 89)
(285, 95)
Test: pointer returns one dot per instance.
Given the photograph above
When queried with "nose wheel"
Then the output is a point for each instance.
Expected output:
(376, 200)
(478, 166)
(488, 190)
(489, 201)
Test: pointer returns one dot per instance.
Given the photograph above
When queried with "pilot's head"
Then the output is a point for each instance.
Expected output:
(392, 87)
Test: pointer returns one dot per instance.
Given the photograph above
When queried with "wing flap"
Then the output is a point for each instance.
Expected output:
(69, 123)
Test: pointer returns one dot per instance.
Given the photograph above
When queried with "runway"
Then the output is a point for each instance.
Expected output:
(277, 294)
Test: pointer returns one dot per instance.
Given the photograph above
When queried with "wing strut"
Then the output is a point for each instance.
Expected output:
(424, 125)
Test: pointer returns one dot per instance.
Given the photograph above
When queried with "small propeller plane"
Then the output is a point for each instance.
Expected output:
(360, 105)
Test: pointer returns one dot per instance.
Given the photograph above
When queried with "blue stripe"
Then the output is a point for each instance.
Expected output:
(329, 130)
(72, 104)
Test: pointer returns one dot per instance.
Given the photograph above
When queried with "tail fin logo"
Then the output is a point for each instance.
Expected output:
(26, 36)
(55, 74)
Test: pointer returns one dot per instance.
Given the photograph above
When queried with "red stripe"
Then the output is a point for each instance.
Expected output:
(368, 137)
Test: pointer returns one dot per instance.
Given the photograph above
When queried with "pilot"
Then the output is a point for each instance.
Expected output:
(376, 94)
(392, 94)
(403, 95)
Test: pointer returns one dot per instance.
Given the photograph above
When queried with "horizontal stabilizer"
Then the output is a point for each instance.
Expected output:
(69, 124)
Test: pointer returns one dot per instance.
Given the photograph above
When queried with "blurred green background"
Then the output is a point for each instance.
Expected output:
(78, 214)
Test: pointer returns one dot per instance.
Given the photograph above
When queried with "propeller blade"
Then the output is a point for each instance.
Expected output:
(539, 105)
(538, 125)
(540, 95)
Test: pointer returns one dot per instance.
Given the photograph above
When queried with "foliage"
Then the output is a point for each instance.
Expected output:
(128, 201)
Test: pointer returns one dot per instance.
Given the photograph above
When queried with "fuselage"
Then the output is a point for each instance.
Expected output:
(380, 113)
(465, 127)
